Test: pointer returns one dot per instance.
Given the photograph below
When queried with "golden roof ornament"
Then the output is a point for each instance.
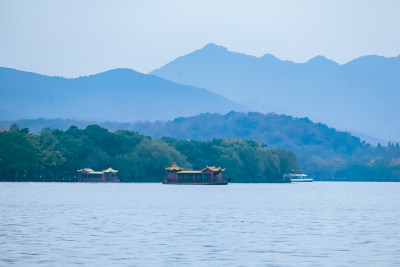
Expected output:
(174, 167)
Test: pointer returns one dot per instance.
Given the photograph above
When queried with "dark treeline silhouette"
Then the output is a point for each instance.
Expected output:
(55, 155)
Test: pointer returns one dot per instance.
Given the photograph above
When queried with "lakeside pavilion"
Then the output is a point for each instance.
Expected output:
(177, 174)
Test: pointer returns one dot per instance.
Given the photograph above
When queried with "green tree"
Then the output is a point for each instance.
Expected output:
(18, 157)
(14, 127)
(50, 159)
(150, 159)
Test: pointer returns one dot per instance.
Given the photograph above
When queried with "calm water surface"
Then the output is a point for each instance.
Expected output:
(300, 224)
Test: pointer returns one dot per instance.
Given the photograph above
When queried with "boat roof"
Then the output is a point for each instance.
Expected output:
(190, 172)
(91, 171)
(95, 172)
(110, 170)
(174, 167)
(214, 169)
(297, 174)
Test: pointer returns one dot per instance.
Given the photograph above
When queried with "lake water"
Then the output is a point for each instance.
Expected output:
(299, 224)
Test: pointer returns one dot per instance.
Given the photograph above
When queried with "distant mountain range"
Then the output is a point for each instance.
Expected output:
(359, 96)
(119, 95)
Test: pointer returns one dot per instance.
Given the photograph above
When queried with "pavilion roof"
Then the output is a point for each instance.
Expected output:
(174, 167)
(89, 170)
(96, 172)
(110, 170)
(190, 172)
(214, 169)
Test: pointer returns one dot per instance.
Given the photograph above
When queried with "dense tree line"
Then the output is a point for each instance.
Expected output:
(324, 153)
(55, 155)
(380, 164)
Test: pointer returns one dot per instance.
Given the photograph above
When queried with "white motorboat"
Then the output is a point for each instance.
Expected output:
(298, 177)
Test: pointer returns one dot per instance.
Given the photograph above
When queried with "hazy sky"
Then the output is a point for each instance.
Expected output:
(73, 38)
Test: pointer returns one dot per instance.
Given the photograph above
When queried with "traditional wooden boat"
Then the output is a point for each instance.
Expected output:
(207, 176)
(105, 176)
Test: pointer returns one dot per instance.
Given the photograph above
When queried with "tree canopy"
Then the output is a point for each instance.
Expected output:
(56, 155)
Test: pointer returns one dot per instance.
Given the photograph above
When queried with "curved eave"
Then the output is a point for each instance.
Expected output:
(174, 167)
(214, 169)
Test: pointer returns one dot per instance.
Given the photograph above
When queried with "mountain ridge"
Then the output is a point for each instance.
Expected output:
(361, 92)
(118, 94)
(215, 48)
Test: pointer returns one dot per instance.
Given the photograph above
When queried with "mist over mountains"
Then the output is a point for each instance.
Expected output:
(119, 95)
(359, 96)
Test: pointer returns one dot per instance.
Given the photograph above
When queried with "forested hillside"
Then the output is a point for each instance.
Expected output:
(55, 155)
(323, 152)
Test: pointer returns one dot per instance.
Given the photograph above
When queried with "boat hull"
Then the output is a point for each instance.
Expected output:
(215, 182)
(205, 183)
(302, 180)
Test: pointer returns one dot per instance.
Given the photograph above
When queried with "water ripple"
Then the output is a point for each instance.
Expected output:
(322, 223)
